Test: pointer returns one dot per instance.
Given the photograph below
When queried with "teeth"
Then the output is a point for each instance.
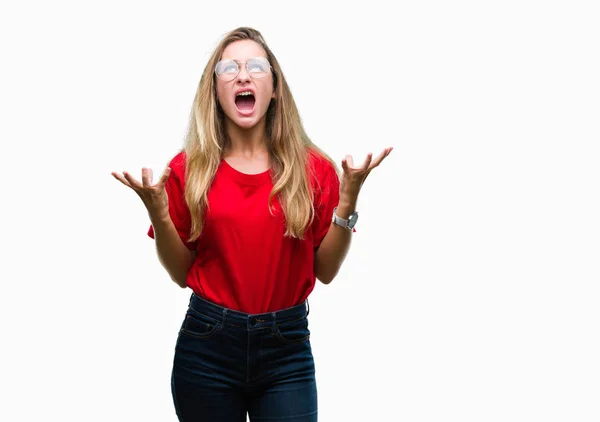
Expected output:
(244, 93)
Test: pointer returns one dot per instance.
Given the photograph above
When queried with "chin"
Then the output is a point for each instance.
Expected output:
(248, 122)
(243, 123)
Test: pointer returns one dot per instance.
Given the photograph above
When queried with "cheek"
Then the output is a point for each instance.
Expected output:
(267, 93)
(220, 94)
(267, 96)
(266, 89)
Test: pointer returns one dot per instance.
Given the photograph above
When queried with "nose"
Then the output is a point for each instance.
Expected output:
(243, 75)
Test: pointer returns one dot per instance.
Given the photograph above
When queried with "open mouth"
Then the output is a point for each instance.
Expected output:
(244, 101)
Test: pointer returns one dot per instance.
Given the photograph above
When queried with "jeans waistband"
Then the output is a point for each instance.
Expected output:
(241, 319)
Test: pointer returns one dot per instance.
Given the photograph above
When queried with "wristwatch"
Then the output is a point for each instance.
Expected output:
(347, 224)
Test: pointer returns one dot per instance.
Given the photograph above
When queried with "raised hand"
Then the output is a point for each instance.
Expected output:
(154, 197)
(354, 177)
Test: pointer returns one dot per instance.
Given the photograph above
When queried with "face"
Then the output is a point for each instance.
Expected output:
(245, 111)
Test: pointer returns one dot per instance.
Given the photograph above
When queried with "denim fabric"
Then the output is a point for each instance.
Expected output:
(228, 364)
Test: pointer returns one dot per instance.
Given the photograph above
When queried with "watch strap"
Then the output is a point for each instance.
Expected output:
(342, 222)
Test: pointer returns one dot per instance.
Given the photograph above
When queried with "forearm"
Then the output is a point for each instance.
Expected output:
(173, 254)
(335, 246)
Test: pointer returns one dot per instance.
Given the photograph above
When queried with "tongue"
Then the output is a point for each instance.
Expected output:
(245, 102)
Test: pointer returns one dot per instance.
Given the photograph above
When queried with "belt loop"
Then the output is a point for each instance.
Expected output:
(274, 315)
(308, 307)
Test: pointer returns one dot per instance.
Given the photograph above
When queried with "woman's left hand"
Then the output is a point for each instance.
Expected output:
(354, 177)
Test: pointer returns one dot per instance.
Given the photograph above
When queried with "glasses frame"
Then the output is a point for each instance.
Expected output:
(239, 63)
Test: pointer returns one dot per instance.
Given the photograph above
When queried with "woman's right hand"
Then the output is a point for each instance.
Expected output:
(154, 197)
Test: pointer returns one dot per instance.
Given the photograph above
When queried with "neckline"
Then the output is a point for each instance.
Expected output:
(246, 178)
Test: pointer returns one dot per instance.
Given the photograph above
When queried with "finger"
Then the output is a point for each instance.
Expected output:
(379, 158)
(120, 178)
(365, 165)
(134, 184)
(146, 177)
(345, 165)
(165, 176)
(350, 161)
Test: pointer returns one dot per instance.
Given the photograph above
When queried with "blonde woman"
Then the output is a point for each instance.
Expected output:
(248, 215)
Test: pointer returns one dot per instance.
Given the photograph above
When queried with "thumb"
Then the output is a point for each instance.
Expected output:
(165, 176)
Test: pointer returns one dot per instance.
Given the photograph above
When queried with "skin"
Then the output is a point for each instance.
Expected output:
(248, 153)
(335, 246)
(248, 150)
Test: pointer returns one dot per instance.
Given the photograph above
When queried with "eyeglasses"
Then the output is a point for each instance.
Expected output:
(228, 69)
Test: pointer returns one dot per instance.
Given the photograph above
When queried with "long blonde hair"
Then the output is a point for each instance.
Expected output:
(288, 145)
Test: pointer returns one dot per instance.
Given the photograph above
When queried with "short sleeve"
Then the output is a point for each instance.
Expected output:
(178, 209)
(327, 197)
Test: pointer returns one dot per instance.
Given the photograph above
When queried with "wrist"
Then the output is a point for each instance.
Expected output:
(345, 208)
(157, 220)
(347, 202)
(349, 191)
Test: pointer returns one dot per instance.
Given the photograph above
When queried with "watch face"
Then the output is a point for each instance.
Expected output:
(352, 221)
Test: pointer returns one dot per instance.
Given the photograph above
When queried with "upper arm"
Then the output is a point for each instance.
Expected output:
(327, 196)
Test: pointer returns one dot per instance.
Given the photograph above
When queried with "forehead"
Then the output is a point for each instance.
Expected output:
(243, 50)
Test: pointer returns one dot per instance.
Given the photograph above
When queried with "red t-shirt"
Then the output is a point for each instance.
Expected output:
(244, 262)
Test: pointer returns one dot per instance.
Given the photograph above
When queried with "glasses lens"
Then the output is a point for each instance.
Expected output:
(227, 70)
(258, 67)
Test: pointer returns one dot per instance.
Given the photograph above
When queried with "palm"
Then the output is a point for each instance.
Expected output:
(356, 176)
(153, 196)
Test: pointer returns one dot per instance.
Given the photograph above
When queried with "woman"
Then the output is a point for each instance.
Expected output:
(248, 215)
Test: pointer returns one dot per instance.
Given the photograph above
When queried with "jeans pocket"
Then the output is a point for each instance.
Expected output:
(199, 325)
(293, 332)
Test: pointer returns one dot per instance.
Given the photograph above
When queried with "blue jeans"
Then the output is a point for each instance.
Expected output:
(229, 363)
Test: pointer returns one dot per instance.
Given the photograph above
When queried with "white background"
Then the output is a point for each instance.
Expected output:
(472, 287)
